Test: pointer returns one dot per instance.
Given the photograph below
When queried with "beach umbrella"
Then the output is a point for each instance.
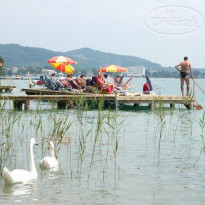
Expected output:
(63, 67)
(62, 60)
(112, 68)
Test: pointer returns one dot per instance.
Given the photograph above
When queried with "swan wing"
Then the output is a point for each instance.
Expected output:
(48, 163)
(18, 176)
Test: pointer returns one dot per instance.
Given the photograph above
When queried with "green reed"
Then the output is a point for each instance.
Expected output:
(100, 118)
(202, 126)
(160, 114)
(116, 127)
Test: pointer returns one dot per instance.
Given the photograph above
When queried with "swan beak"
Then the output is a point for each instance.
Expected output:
(37, 144)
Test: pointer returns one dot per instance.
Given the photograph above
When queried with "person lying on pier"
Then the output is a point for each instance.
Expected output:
(81, 81)
(72, 81)
(66, 83)
(102, 87)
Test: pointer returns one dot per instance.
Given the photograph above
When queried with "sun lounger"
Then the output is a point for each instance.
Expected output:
(103, 89)
(53, 85)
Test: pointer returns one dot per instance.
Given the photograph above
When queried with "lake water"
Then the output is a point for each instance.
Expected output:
(137, 172)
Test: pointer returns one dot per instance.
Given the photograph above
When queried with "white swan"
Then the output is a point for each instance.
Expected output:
(20, 175)
(49, 162)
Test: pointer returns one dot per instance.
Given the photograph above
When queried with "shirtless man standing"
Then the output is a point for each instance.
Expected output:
(184, 74)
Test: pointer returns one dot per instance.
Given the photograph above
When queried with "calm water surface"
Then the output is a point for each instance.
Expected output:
(141, 174)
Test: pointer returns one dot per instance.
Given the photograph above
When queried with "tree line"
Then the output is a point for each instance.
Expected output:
(171, 74)
(35, 70)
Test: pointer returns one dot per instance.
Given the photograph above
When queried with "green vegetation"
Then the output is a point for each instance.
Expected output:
(33, 60)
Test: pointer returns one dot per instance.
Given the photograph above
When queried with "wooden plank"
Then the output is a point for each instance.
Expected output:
(32, 91)
(150, 98)
(197, 105)
(7, 86)
(57, 97)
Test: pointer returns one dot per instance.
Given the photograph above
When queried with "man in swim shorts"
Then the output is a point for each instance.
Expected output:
(184, 74)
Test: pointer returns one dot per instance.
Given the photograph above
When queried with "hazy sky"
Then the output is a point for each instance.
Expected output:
(115, 26)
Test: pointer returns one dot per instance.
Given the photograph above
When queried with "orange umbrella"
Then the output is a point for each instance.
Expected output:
(61, 59)
(63, 68)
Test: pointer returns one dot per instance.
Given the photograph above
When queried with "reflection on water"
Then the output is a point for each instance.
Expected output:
(142, 177)
(20, 192)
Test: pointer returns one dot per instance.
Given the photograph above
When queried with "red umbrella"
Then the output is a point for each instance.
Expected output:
(62, 60)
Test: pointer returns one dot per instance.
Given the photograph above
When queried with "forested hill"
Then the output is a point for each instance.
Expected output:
(16, 55)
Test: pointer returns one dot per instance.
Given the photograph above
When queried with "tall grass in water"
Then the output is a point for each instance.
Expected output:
(112, 122)
(160, 114)
(202, 126)
(83, 131)
(97, 132)
(8, 137)
(60, 126)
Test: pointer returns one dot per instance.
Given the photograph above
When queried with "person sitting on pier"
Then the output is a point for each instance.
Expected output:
(119, 84)
(147, 87)
(105, 79)
(53, 78)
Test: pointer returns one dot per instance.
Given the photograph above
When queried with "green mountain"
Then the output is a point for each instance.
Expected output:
(89, 60)
(16, 55)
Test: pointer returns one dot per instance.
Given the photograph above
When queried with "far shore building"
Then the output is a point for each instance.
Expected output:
(15, 69)
(48, 72)
(136, 71)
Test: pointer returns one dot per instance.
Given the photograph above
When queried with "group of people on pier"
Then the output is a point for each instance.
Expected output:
(99, 82)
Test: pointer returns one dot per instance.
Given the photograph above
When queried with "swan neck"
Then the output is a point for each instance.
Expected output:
(32, 163)
(52, 153)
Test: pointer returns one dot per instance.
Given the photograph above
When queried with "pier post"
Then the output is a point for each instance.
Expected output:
(172, 105)
(71, 103)
(27, 105)
(106, 104)
(17, 104)
(61, 104)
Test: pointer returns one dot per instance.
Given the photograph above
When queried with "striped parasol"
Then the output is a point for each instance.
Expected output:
(112, 68)
(63, 67)
(62, 60)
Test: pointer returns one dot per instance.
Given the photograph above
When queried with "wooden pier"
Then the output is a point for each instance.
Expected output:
(64, 100)
(6, 88)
